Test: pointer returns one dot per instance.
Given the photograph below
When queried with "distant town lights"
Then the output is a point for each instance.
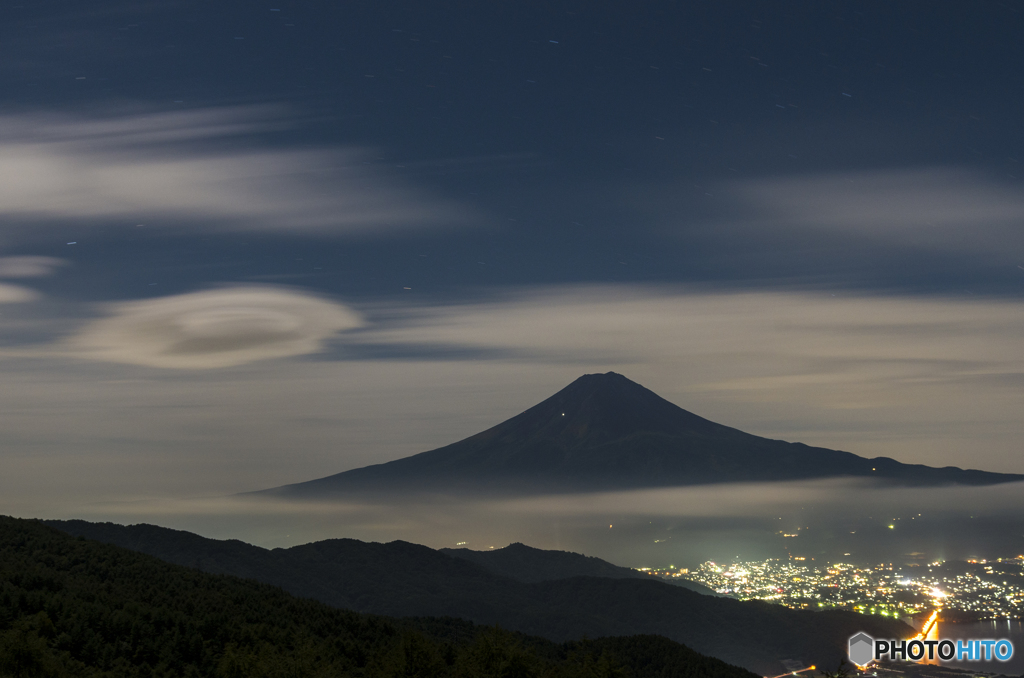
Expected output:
(879, 589)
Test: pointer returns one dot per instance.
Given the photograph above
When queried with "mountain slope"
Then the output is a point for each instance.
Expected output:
(525, 563)
(402, 579)
(78, 607)
(75, 607)
(605, 432)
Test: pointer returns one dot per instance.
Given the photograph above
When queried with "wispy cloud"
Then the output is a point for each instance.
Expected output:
(626, 323)
(189, 167)
(934, 381)
(945, 208)
(922, 380)
(29, 266)
(15, 294)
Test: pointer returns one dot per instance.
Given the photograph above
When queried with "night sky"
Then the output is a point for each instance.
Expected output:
(245, 244)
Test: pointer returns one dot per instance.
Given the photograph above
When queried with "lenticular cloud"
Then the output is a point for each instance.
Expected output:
(216, 328)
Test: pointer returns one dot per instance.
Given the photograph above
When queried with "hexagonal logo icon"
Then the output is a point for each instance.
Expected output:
(862, 649)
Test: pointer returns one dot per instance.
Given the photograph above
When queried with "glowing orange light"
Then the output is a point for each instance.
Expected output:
(928, 625)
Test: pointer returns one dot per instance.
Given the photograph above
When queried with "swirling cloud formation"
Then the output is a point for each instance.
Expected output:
(216, 328)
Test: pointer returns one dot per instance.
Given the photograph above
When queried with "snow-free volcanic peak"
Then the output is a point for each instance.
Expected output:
(605, 432)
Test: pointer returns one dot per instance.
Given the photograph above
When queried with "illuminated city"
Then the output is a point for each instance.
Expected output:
(973, 590)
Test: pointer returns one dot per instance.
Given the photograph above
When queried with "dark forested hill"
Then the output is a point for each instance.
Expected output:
(525, 563)
(605, 432)
(402, 579)
(76, 607)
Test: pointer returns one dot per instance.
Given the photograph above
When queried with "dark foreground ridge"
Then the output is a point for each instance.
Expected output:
(400, 579)
(76, 607)
(605, 432)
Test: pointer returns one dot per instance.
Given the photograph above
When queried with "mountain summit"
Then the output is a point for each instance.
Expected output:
(605, 432)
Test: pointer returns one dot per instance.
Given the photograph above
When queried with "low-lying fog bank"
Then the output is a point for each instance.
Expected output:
(820, 520)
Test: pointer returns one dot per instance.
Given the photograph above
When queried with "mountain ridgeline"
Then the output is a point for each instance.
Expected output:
(400, 579)
(604, 432)
(72, 607)
(525, 563)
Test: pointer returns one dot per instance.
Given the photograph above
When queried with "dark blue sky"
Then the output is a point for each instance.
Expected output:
(580, 135)
(254, 243)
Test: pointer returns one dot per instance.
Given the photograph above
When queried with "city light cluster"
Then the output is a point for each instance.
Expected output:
(973, 590)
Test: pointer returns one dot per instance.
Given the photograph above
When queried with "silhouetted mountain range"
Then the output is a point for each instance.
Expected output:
(76, 608)
(605, 432)
(405, 580)
(525, 563)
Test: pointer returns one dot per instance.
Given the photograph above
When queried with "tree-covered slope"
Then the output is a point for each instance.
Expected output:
(403, 579)
(76, 607)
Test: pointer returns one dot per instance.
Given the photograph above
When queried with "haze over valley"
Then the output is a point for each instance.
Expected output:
(607, 468)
